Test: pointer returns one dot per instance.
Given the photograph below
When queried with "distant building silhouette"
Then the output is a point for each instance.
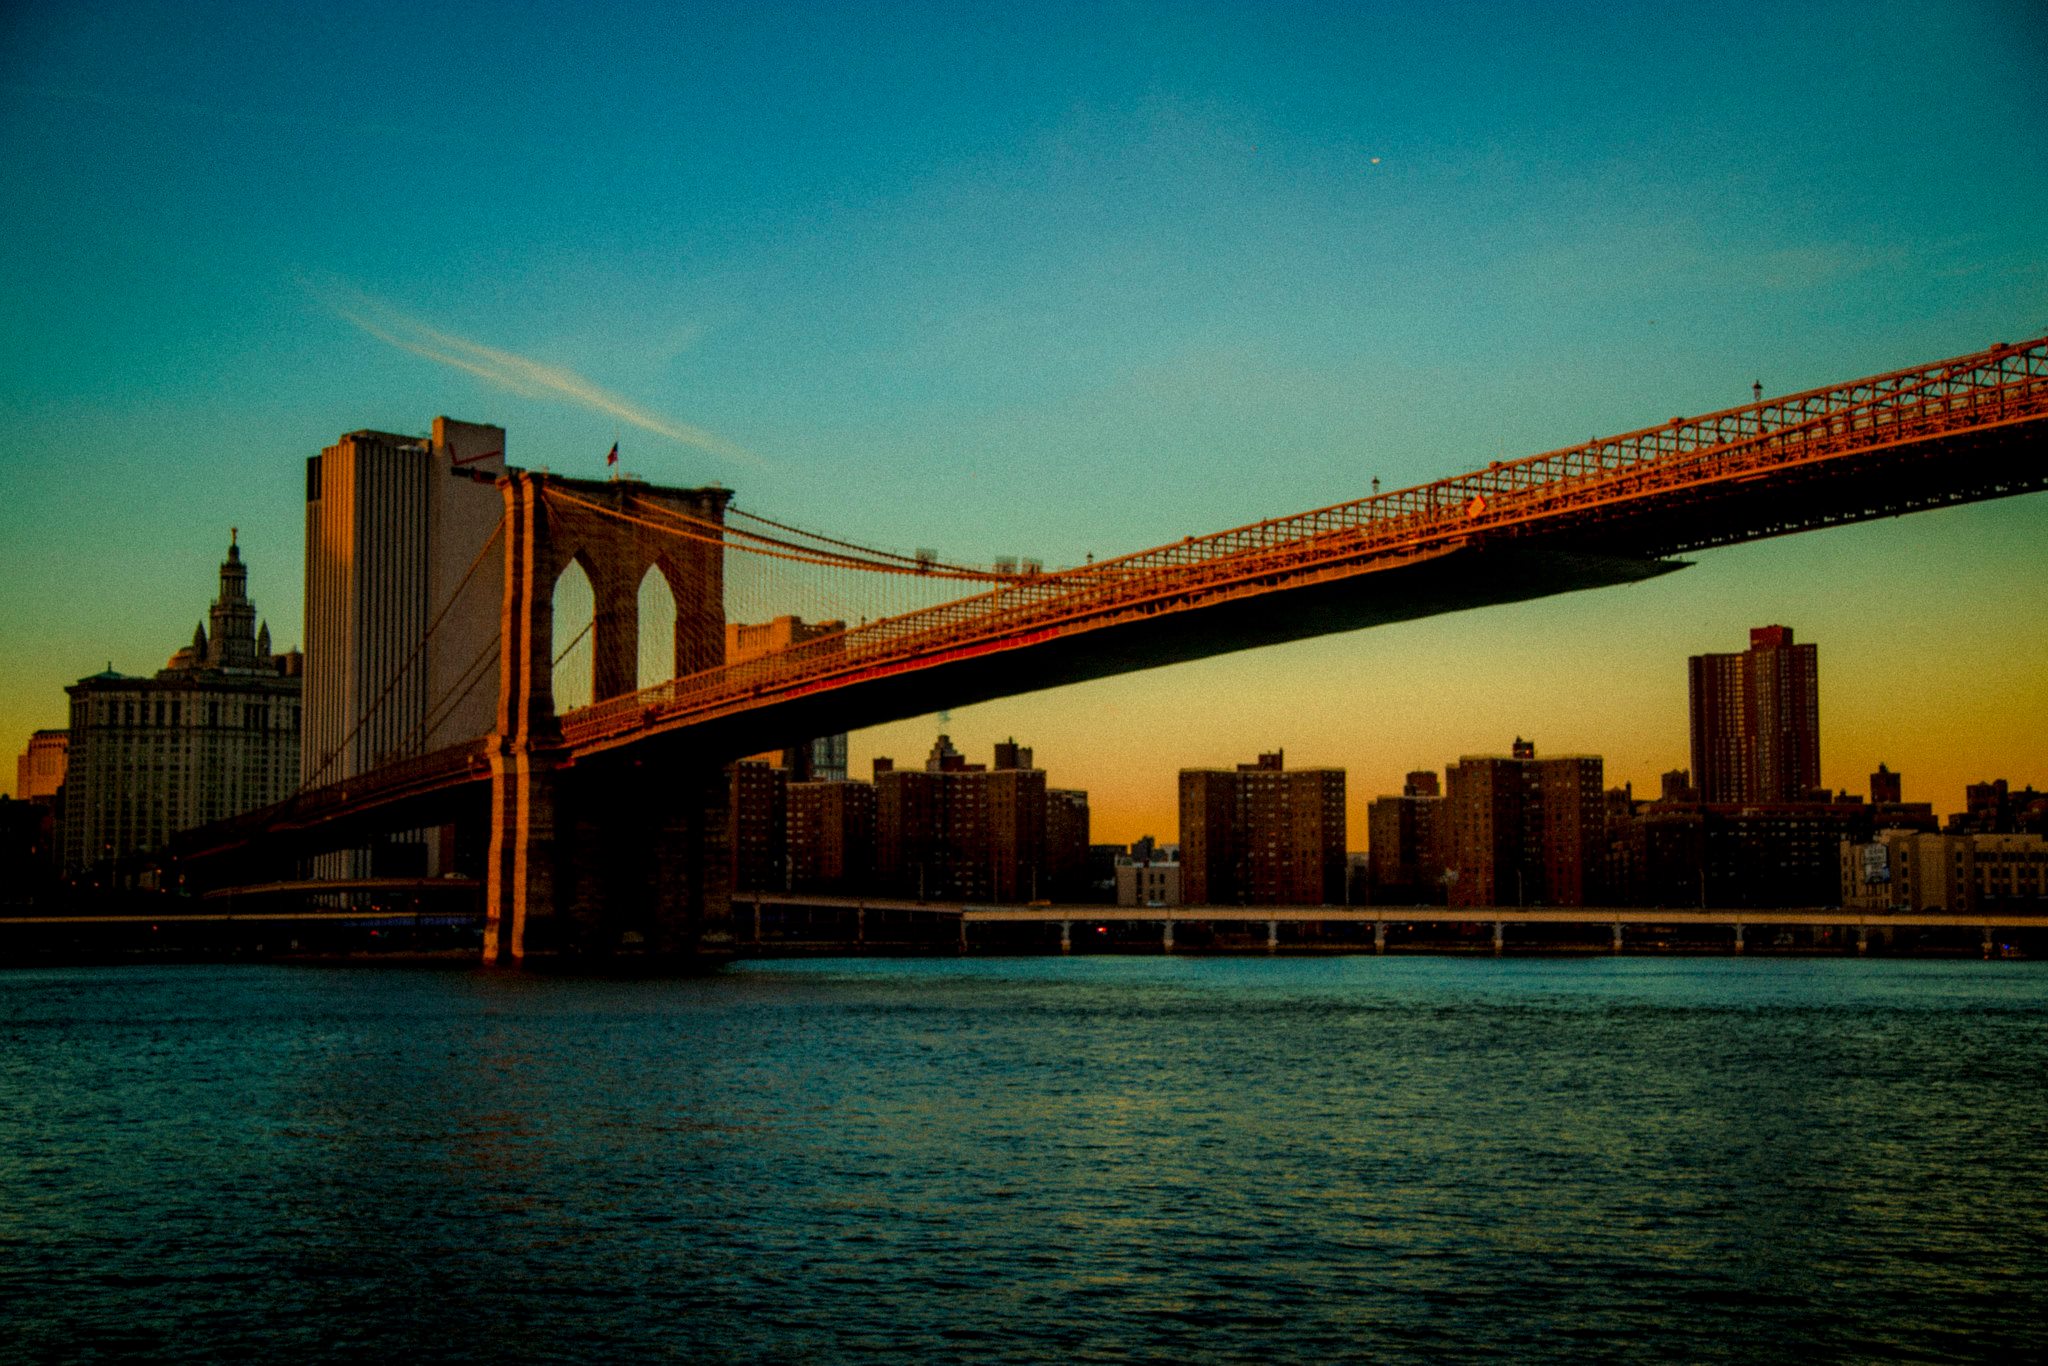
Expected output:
(39, 772)
(1262, 835)
(1756, 720)
(214, 733)
(1993, 808)
(28, 860)
(1677, 786)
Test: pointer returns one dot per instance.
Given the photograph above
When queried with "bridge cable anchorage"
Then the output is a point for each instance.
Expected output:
(405, 667)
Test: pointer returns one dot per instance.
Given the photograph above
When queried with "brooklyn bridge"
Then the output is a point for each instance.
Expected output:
(607, 821)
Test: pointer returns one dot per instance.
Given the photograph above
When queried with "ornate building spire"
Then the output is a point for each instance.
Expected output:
(234, 616)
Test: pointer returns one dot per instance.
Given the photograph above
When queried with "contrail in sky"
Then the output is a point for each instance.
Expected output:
(525, 377)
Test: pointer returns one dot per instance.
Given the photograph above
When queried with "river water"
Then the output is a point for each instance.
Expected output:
(1389, 1159)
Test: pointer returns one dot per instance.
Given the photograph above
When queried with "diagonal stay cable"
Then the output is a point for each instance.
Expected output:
(576, 640)
(404, 668)
(452, 697)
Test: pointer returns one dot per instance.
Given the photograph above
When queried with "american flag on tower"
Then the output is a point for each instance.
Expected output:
(613, 458)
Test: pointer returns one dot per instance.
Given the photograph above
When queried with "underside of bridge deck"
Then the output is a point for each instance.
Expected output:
(1453, 582)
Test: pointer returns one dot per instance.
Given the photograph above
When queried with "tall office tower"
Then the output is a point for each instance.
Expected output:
(831, 837)
(1756, 720)
(1526, 831)
(822, 758)
(397, 530)
(213, 734)
(1263, 835)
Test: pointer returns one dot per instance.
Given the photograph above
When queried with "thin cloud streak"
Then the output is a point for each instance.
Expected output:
(523, 376)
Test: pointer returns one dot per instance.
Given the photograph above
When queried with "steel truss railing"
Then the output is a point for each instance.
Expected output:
(2000, 385)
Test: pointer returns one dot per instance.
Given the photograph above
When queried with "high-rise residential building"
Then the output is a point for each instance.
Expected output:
(1884, 787)
(831, 837)
(1262, 835)
(1066, 845)
(1756, 720)
(959, 831)
(214, 733)
(931, 828)
(1525, 831)
(39, 772)
(402, 610)
(759, 827)
(824, 757)
(1406, 854)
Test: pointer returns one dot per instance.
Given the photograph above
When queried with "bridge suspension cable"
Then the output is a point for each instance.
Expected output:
(686, 527)
(411, 659)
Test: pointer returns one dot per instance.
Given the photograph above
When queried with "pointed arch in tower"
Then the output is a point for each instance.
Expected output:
(575, 612)
(657, 610)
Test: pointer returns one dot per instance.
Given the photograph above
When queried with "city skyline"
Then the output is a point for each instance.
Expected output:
(1158, 277)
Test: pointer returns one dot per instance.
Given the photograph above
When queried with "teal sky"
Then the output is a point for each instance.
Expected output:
(1045, 281)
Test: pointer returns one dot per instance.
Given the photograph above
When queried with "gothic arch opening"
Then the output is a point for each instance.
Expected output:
(657, 610)
(575, 650)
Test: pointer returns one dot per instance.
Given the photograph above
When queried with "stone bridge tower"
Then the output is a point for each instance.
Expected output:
(606, 854)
